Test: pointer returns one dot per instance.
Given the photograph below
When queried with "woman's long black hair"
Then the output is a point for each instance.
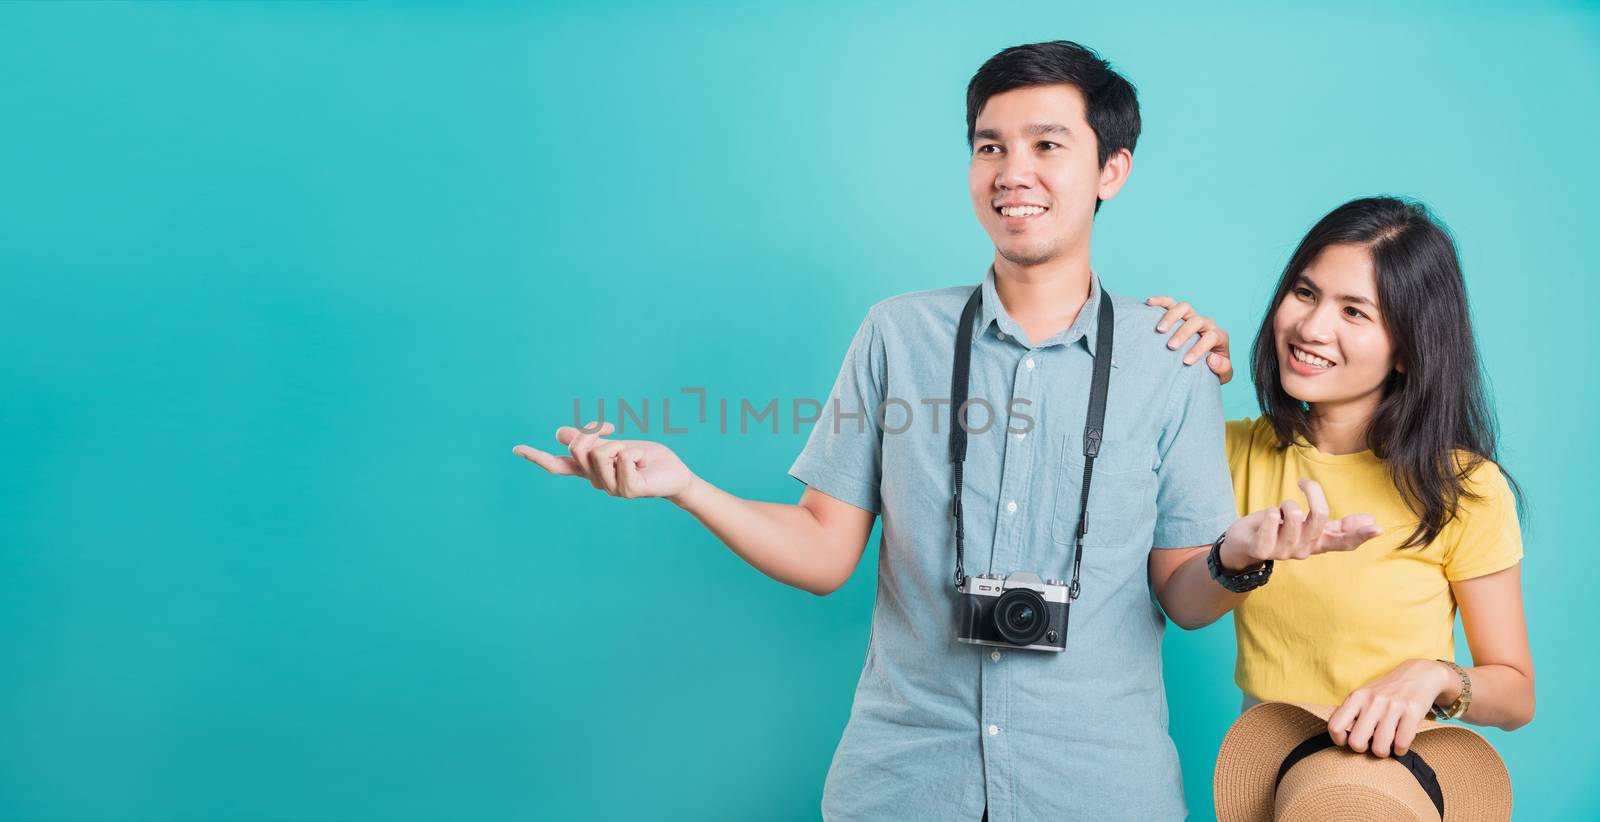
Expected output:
(1434, 424)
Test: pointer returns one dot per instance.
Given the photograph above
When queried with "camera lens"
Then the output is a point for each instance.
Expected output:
(1020, 617)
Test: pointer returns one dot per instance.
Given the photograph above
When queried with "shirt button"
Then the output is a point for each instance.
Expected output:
(1000, 334)
(1029, 363)
(994, 655)
(1021, 435)
(1011, 507)
(994, 730)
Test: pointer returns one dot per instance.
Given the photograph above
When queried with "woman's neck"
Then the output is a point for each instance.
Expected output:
(1341, 427)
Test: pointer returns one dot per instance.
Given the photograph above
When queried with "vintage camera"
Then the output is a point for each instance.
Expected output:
(1015, 611)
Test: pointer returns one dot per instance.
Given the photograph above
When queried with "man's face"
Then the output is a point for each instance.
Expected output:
(1035, 172)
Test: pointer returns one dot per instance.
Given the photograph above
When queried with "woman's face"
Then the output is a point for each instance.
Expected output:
(1333, 345)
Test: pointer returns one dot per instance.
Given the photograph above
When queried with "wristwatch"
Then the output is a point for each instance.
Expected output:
(1459, 706)
(1239, 583)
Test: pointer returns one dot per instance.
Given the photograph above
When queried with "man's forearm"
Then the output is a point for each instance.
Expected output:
(785, 542)
(1191, 597)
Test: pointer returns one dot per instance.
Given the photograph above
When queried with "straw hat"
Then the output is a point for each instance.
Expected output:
(1324, 782)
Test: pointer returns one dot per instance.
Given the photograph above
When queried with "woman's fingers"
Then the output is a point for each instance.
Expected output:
(1210, 338)
(1361, 732)
(1181, 311)
(1344, 716)
(1191, 327)
(1406, 733)
(1384, 732)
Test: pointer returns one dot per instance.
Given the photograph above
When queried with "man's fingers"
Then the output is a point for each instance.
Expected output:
(567, 433)
(581, 444)
(561, 466)
(1350, 533)
(628, 473)
(1311, 534)
(604, 460)
(1267, 534)
(1289, 532)
(1178, 312)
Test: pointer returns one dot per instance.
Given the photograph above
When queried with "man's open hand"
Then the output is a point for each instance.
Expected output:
(1288, 532)
(621, 468)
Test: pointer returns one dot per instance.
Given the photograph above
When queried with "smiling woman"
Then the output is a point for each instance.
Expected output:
(1367, 375)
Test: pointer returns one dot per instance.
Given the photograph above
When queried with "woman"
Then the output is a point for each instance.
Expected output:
(1368, 379)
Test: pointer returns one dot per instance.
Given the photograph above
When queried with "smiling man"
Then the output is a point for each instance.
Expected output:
(1015, 694)
(946, 729)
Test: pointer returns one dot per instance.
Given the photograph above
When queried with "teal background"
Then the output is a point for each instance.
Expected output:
(281, 285)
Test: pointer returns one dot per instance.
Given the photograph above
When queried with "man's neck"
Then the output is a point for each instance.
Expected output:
(1044, 299)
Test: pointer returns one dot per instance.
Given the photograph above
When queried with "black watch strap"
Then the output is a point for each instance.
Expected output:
(1241, 582)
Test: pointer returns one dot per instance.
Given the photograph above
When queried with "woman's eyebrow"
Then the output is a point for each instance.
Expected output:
(1344, 298)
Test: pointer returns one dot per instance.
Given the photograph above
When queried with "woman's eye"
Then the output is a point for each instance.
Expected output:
(1353, 313)
(1303, 293)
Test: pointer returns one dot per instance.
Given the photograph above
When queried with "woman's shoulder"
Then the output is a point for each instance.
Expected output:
(1485, 535)
(1248, 434)
(1482, 478)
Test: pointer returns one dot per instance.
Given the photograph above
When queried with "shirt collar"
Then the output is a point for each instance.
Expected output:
(1083, 328)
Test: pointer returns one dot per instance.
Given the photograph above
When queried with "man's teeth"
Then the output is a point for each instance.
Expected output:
(1022, 211)
(1310, 359)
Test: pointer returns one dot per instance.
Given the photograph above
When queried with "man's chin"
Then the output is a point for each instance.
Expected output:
(1027, 257)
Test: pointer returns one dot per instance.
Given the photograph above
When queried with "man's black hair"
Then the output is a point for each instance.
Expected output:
(1111, 105)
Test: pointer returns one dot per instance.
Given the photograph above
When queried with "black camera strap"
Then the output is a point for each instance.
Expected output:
(1093, 427)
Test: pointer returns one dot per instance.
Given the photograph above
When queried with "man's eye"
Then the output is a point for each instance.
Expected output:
(1047, 145)
(990, 148)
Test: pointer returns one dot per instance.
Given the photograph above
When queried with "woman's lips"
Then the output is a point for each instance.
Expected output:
(1305, 368)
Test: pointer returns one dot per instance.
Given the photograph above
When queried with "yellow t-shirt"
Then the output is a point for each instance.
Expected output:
(1324, 626)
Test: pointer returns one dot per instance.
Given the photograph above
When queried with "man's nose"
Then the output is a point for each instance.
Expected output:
(1016, 171)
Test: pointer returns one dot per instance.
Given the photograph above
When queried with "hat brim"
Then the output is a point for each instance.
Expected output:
(1472, 777)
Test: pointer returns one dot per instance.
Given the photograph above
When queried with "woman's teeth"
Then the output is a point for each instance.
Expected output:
(1022, 211)
(1310, 359)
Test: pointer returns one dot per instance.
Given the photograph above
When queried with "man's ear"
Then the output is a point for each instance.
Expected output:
(1114, 173)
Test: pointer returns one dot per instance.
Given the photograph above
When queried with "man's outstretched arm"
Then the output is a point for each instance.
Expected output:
(814, 545)
(1182, 581)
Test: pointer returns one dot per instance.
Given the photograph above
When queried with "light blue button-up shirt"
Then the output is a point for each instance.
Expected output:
(941, 729)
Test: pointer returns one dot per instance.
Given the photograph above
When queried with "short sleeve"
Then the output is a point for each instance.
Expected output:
(1485, 536)
(1239, 434)
(1194, 495)
(843, 456)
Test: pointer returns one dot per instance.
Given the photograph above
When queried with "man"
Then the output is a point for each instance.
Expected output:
(942, 729)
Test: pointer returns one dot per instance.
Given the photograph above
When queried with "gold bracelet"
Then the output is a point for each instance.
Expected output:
(1459, 706)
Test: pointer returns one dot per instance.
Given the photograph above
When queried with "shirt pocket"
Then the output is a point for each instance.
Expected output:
(1122, 493)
